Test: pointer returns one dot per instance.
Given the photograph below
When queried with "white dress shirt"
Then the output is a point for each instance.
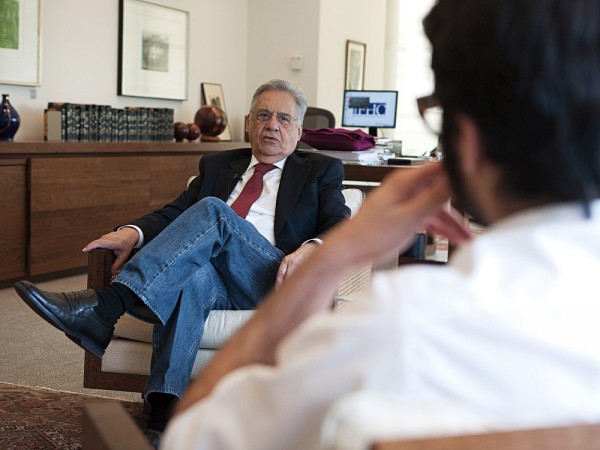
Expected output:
(506, 335)
(262, 212)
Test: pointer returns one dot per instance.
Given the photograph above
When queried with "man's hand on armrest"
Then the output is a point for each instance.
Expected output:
(121, 242)
(291, 262)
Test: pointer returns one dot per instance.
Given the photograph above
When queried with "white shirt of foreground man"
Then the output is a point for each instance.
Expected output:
(476, 336)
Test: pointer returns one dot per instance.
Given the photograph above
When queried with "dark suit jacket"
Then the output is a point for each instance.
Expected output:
(309, 201)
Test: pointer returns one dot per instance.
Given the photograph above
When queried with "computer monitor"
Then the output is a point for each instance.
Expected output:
(370, 109)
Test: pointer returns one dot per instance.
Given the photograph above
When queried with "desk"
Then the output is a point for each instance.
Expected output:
(367, 177)
(357, 172)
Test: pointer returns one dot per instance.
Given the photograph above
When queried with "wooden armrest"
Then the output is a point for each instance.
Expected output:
(576, 437)
(107, 426)
(99, 264)
(99, 276)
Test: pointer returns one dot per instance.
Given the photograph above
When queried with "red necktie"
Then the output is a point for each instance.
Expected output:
(251, 191)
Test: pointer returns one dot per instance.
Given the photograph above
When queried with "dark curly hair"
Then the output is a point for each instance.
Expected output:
(528, 73)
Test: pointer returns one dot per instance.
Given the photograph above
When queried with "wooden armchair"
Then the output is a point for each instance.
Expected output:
(107, 426)
(126, 364)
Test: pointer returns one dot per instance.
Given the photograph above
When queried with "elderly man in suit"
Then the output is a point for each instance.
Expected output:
(248, 220)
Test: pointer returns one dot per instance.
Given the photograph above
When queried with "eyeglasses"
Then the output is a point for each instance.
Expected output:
(432, 113)
(283, 119)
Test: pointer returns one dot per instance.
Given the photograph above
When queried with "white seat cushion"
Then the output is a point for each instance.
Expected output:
(353, 198)
(219, 327)
(133, 357)
(131, 351)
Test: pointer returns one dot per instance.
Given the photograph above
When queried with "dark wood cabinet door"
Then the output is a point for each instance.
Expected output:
(13, 223)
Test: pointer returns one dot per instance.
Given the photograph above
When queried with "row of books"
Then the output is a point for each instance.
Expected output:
(103, 123)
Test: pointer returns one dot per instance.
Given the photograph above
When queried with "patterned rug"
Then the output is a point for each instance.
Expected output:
(40, 418)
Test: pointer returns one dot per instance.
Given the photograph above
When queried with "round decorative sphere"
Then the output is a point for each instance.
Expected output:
(180, 131)
(193, 131)
(211, 120)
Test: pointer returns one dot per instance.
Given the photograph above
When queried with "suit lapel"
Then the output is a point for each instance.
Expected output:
(293, 178)
(228, 177)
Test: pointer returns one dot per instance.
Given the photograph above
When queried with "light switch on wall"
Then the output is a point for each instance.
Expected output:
(296, 63)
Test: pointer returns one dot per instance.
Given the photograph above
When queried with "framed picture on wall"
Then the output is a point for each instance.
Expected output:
(20, 48)
(356, 55)
(153, 50)
(212, 94)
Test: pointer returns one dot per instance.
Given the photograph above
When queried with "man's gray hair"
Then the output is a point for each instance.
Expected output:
(283, 86)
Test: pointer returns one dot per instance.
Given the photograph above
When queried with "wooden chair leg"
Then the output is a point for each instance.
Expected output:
(107, 426)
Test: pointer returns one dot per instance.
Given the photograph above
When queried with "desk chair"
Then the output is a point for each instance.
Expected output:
(317, 118)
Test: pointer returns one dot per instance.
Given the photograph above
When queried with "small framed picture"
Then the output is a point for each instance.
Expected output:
(212, 94)
(356, 55)
(153, 51)
(20, 49)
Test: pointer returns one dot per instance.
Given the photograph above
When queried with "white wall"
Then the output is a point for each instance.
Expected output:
(237, 43)
(398, 54)
(356, 20)
(79, 59)
(317, 31)
(278, 30)
(408, 56)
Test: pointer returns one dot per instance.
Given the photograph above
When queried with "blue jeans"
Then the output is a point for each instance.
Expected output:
(208, 258)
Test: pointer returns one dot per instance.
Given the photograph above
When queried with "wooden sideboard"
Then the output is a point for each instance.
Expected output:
(58, 196)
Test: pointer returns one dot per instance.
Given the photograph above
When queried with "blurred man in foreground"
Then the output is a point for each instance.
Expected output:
(506, 334)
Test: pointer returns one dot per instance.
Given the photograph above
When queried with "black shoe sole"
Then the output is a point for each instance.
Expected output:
(30, 297)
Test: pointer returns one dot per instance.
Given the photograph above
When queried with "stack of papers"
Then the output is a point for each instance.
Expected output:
(358, 157)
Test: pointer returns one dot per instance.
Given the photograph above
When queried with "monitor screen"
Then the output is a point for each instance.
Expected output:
(372, 109)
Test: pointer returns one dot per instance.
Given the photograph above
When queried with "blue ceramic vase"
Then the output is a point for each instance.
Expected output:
(9, 120)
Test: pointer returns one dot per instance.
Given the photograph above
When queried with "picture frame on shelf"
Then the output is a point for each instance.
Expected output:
(20, 43)
(153, 50)
(356, 56)
(212, 94)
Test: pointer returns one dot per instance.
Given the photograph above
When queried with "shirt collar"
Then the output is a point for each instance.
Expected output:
(279, 164)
